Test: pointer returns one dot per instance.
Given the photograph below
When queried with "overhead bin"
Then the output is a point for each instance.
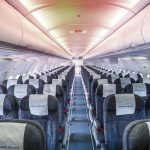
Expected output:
(16, 29)
(133, 33)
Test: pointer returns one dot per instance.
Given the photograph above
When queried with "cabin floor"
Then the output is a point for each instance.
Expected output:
(80, 134)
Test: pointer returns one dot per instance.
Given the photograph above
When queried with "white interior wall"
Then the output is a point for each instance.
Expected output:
(137, 64)
(10, 69)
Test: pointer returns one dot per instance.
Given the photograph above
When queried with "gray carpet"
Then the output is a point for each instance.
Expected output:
(80, 137)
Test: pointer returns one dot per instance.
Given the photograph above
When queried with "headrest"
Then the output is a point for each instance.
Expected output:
(36, 104)
(114, 77)
(25, 77)
(34, 82)
(109, 89)
(106, 89)
(7, 103)
(96, 77)
(20, 90)
(125, 81)
(57, 82)
(123, 104)
(14, 135)
(134, 76)
(139, 89)
(62, 76)
(44, 78)
(11, 82)
(136, 135)
(49, 89)
(102, 81)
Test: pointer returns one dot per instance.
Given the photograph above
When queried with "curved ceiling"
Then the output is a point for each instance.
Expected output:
(77, 25)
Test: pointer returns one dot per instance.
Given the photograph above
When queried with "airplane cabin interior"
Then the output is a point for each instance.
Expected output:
(74, 74)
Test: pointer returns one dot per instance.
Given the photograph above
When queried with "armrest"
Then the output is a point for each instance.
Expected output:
(96, 124)
(98, 133)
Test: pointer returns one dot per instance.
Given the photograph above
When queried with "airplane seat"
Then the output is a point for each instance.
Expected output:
(64, 77)
(46, 78)
(8, 107)
(22, 135)
(141, 89)
(104, 75)
(119, 111)
(37, 83)
(147, 107)
(101, 93)
(10, 82)
(53, 76)
(69, 79)
(140, 78)
(37, 76)
(136, 135)
(146, 80)
(120, 75)
(62, 83)
(23, 78)
(57, 91)
(46, 72)
(94, 85)
(44, 110)
(122, 82)
(91, 78)
(21, 90)
(127, 75)
(3, 89)
(112, 77)
(135, 77)
(140, 75)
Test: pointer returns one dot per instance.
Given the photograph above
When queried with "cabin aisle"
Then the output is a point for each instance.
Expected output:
(80, 137)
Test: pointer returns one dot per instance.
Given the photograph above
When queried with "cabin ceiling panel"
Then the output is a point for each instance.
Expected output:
(78, 25)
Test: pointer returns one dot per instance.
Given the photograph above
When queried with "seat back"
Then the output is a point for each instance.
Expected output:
(44, 110)
(37, 83)
(21, 90)
(112, 77)
(136, 135)
(8, 107)
(62, 82)
(122, 82)
(23, 78)
(95, 83)
(119, 111)
(10, 82)
(134, 76)
(147, 107)
(57, 91)
(46, 78)
(91, 78)
(21, 135)
(102, 92)
(141, 89)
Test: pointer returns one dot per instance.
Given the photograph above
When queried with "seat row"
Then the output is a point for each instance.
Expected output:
(47, 108)
(115, 110)
(40, 108)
